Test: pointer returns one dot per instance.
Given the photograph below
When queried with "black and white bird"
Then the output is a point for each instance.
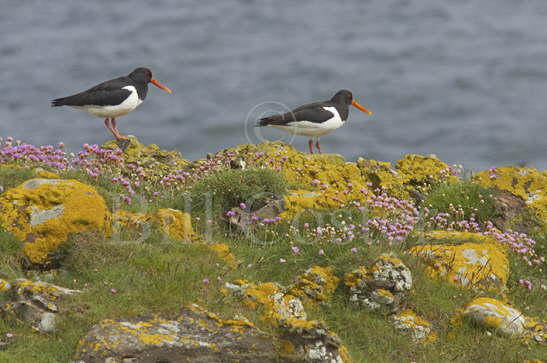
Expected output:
(315, 119)
(113, 98)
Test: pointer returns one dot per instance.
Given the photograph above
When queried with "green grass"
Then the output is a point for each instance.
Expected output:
(11, 177)
(229, 188)
(471, 198)
(159, 275)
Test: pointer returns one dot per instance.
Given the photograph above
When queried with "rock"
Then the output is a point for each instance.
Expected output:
(504, 319)
(223, 251)
(311, 341)
(244, 218)
(35, 302)
(4, 285)
(147, 156)
(44, 212)
(472, 265)
(193, 335)
(390, 268)
(494, 314)
(383, 285)
(418, 328)
(272, 298)
(335, 183)
(173, 223)
(301, 340)
(526, 183)
(317, 283)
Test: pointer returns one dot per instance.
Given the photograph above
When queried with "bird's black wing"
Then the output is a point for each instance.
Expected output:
(108, 93)
(313, 112)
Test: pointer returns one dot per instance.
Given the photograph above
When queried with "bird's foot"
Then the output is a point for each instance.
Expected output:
(123, 142)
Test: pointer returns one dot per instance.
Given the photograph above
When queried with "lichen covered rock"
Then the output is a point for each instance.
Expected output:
(494, 314)
(317, 283)
(174, 223)
(44, 212)
(272, 298)
(311, 341)
(34, 302)
(482, 265)
(418, 328)
(223, 251)
(192, 335)
(330, 182)
(528, 183)
(381, 286)
(302, 340)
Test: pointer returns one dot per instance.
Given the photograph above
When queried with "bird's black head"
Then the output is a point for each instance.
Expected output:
(143, 75)
(343, 96)
(346, 97)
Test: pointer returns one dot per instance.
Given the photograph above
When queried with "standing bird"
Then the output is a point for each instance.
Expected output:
(315, 119)
(113, 98)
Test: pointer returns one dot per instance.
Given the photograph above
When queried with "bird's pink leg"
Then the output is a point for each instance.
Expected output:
(318, 145)
(109, 127)
(118, 137)
(310, 145)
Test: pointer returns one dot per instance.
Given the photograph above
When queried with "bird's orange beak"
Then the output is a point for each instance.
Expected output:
(354, 103)
(158, 84)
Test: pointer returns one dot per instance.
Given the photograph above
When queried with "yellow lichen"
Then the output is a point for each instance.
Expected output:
(493, 313)
(174, 223)
(528, 183)
(44, 212)
(353, 278)
(317, 283)
(421, 328)
(330, 182)
(468, 265)
(224, 253)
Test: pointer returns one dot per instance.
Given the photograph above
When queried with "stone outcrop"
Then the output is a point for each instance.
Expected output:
(34, 302)
(43, 213)
(481, 264)
(382, 285)
(193, 335)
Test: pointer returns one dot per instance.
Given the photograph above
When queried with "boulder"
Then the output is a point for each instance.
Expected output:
(316, 283)
(34, 302)
(193, 335)
(418, 328)
(504, 319)
(480, 263)
(383, 285)
(43, 213)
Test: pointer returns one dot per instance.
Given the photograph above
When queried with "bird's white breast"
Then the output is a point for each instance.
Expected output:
(129, 104)
(308, 128)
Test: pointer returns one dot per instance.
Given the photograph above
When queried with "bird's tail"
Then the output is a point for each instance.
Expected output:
(262, 122)
(59, 102)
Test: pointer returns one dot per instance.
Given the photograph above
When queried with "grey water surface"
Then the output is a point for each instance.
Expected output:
(465, 80)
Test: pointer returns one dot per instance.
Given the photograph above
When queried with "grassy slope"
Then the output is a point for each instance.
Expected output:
(160, 275)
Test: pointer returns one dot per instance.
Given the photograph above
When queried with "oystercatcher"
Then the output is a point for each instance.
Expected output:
(113, 98)
(315, 119)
